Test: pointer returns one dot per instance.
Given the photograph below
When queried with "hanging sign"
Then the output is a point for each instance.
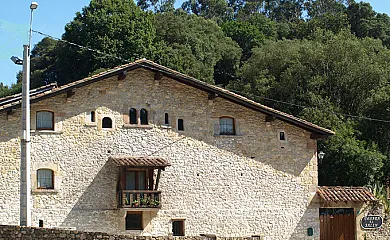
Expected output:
(371, 222)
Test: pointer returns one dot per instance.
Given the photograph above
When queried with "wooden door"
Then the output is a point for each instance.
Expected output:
(337, 224)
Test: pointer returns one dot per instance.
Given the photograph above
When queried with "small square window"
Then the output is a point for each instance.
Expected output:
(45, 179)
(45, 120)
(134, 221)
(178, 227)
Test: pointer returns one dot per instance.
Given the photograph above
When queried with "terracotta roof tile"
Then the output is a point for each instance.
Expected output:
(345, 194)
(141, 162)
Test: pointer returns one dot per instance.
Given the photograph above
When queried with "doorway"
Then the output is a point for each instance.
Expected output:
(337, 224)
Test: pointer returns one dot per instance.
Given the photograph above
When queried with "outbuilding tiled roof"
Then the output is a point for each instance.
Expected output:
(140, 162)
(345, 194)
(320, 132)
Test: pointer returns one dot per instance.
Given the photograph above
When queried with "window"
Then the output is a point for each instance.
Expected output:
(166, 120)
(45, 179)
(134, 221)
(282, 136)
(180, 125)
(45, 120)
(133, 116)
(106, 122)
(93, 116)
(178, 227)
(144, 117)
(226, 126)
(136, 180)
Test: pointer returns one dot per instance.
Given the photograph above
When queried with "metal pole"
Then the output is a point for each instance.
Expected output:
(25, 180)
(25, 159)
(30, 32)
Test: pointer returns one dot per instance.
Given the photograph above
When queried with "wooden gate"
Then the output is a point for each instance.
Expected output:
(337, 224)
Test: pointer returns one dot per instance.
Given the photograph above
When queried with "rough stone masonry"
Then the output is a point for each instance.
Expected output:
(246, 184)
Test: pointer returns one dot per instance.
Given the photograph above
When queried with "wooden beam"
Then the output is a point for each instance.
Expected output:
(69, 93)
(157, 179)
(151, 181)
(212, 96)
(122, 75)
(158, 76)
(269, 118)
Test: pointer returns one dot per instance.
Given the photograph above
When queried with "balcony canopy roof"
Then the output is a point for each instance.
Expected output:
(140, 162)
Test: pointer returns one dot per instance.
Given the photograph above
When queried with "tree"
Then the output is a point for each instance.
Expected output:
(209, 9)
(116, 27)
(245, 34)
(194, 45)
(348, 161)
(43, 63)
(158, 6)
(365, 22)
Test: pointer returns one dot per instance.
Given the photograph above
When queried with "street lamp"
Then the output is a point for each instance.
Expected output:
(17, 60)
(25, 180)
(321, 156)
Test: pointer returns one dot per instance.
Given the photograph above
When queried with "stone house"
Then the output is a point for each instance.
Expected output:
(145, 150)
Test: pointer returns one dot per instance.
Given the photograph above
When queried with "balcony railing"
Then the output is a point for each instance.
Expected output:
(139, 199)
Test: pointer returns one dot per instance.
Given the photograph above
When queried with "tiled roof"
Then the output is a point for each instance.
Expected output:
(345, 194)
(17, 98)
(218, 91)
(140, 162)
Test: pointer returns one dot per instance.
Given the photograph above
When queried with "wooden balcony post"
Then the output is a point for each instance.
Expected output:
(123, 198)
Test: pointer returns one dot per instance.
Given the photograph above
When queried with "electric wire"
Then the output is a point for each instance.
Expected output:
(235, 91)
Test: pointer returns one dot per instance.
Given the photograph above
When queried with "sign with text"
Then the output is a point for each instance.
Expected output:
(371, 222)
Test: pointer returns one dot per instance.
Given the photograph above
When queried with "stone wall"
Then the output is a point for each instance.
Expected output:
(26, 233)
(242, 185)
(383, 233)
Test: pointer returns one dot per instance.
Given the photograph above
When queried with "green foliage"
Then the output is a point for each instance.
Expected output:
(115, 27)
(194, 45)
(6, 91)
(380, 192)
(245, 34)
(157, 5)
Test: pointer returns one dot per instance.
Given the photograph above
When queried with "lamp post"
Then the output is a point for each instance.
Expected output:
(25, 180)
(321, 156)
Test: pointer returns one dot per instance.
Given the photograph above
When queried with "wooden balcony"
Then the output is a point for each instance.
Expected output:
(139, 199)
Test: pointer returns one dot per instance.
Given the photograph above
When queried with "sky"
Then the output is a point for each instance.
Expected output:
(51, 18)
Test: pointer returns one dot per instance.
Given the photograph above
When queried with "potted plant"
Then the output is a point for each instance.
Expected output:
(154, 203)
(135, 203)
(145, 202)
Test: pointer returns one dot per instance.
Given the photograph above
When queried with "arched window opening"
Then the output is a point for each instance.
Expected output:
(226, 126)
(180, 124)
(282, 136)
(166, 120)
(133, 116)
(45, 179)
(144, 117)
(45, 120)
(106, 122)
(93, 116)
